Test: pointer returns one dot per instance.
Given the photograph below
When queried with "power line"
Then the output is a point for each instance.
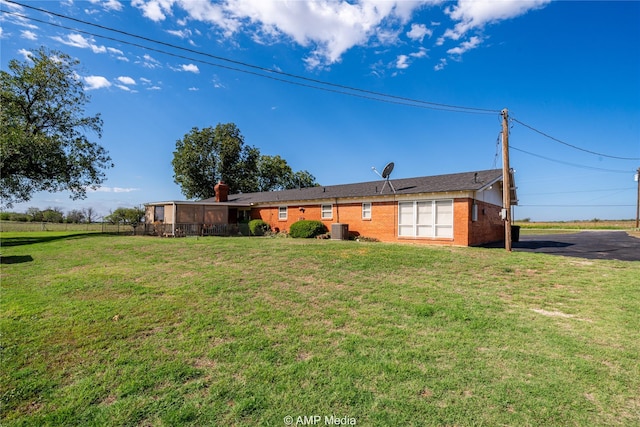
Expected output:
(575, 206)
(576, 191)
(339, 88)
(311, 83)
(571, 145)
(568, 163)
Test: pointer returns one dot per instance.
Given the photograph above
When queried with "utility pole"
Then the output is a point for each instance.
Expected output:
(506, 180)
(638, 200)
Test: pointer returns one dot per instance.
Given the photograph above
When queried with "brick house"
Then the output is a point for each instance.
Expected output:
(454, 209)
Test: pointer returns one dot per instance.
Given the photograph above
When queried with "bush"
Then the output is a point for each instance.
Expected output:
(258, 227)
(307, 229)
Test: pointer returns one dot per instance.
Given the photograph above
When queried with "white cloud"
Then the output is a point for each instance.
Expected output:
(191, 68)
(96, 82)
(29, 35)
(149, 62)
(26, 54)
(193, 89)
(78, 40)
(472, 14)
(112, 5)
(328, 28)
(465, 46)
(418, 31)
(401, 62)
(421, 53)
(217, 83)
(115, 51)
(126, 80)
(183, 34)
(440, 65)
(115, 190)
(156, 10)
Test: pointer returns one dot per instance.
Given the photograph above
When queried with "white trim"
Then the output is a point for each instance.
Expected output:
(286, 213)
(432, 227)
(322, 211)
(369, 210)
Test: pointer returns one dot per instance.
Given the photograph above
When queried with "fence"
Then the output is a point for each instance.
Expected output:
(163, 230)
(182, 230)
(94, 227)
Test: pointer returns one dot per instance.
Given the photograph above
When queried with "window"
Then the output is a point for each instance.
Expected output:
(327, 211)
(366, 211)
(282, 213)
(433, 218)
(158, 213)
(444, 218)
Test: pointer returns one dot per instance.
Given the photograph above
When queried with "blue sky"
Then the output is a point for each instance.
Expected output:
(570, 70)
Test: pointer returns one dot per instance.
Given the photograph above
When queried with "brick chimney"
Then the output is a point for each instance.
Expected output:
(222, 191)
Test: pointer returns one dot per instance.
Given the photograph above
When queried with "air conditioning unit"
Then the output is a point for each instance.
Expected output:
(339, 231)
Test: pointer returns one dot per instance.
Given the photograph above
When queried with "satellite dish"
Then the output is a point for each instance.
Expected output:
(387, 170)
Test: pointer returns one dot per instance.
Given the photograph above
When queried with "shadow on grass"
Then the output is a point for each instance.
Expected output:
(30, 240)
(15, 259)
(529, 245)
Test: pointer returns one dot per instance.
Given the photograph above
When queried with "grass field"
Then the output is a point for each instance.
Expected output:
(553, 227)
(140, 331)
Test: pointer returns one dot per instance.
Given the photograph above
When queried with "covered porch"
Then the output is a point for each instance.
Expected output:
(181, 219)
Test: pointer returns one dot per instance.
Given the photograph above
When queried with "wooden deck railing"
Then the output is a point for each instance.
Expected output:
(183, 230)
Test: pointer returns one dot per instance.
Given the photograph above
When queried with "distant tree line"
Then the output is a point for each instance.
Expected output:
(75, 216)
(51, 215)
(122, 216)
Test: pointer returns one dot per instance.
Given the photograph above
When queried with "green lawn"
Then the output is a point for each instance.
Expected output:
(141, 331)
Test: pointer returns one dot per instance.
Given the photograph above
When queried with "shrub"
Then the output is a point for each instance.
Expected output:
(258, 227)
(307, 229)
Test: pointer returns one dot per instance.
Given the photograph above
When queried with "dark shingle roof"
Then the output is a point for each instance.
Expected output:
(466, 181)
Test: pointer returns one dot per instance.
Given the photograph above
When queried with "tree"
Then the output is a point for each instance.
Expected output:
(127, 216)
(75, 216)
(89, 214)
(274, 173)
(34, 214)
(43, 145)
(302, 179)
(205, 156)
(52, 215)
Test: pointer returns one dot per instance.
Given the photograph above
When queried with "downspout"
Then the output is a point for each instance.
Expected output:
(337, 212)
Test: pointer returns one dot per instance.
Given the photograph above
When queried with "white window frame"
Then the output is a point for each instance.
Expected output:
(326, 211)
(283, 213)
(434, 223)
(366, 210)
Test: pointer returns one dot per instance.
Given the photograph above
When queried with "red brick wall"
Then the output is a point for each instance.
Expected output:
(383, 224)
(489, 227)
